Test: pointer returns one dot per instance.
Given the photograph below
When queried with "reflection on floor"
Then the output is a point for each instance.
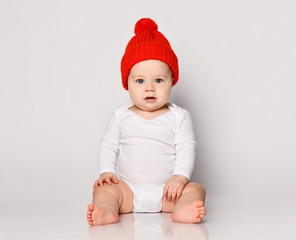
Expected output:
(148, 226)
(229, 218)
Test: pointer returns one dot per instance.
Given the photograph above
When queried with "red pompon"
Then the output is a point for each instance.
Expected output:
(145, 24)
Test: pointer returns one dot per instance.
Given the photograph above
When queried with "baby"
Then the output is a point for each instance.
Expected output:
(151, 142)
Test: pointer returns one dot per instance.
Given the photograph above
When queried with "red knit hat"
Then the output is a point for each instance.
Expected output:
(148, 43)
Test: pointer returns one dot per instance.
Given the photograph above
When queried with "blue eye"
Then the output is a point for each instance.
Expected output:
(140, 81)
(158, 80)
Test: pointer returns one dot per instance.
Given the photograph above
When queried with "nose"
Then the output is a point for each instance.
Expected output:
(150, 87)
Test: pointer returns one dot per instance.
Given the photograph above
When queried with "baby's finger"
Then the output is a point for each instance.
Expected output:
(101, 181)
(169, 194)
(96, 183)
(108, 180)
(114, 179)
(165, 191)
(174, 195)
(179, 193)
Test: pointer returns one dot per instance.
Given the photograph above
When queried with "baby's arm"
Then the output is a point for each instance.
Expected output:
(185, 156)
(108, 153)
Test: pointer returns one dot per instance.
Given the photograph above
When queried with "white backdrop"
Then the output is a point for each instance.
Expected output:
(60, 80)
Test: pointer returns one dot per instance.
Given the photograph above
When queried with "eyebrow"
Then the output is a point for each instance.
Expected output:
(161, 75)
(137, 76)
(141, 76)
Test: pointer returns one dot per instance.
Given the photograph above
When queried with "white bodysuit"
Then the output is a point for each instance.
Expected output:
(148, 153)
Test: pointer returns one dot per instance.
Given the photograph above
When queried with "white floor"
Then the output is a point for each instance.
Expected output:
(224, 220)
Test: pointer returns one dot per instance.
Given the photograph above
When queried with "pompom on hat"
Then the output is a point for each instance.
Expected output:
(148, 43)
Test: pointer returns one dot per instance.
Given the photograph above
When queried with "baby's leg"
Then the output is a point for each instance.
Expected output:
(108, 201)
(190, 206)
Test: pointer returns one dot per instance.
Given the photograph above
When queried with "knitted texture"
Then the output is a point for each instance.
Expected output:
(148, 43)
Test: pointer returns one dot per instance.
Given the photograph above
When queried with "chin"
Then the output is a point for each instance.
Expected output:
(154, 108)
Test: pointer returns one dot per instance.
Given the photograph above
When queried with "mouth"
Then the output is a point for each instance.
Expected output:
(150, 99)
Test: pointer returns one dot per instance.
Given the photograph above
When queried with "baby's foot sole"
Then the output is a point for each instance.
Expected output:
(100, 216)
(190, 213)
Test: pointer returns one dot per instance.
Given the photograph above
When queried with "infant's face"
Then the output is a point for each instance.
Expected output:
(150, 84)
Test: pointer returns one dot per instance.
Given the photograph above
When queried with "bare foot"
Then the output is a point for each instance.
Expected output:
(190, 213)
(99, 216)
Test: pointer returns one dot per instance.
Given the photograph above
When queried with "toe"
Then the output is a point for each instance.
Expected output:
(201, 209)
(89, 221)
(199, 203)
(88, 215)
(91, 207)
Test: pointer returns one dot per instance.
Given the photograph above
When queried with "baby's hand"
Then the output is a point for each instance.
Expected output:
(107, 177)
(174, 187)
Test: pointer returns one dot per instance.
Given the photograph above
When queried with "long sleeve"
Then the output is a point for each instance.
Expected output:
(185, 145)
(109, 147)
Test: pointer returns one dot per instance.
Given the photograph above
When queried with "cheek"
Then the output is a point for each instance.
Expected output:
(134, 95)
(167, 91)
